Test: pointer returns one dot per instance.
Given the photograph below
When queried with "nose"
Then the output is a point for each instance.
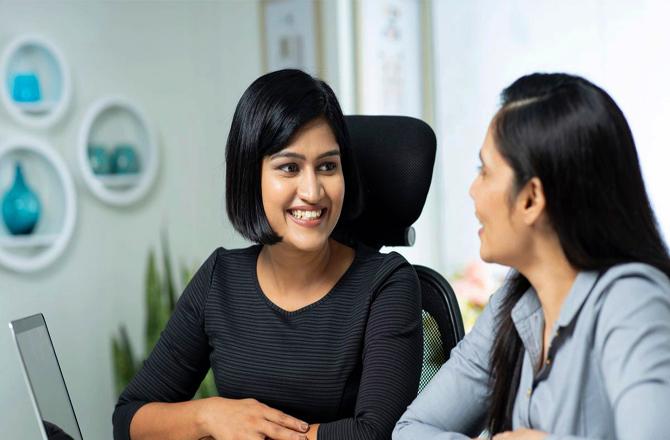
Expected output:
(310, 188)
(471, 191)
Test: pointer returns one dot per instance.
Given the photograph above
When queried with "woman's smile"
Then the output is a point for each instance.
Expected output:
(303, 187)
(308, 216)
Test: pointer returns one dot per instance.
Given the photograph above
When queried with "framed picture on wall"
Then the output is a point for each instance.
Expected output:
(290, 35)
(390, 57)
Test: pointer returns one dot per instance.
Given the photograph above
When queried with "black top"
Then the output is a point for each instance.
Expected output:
(350, 361)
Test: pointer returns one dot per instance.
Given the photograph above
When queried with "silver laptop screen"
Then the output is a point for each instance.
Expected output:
(45, 378)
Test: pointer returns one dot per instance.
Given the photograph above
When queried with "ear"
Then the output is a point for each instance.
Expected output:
(531, 202)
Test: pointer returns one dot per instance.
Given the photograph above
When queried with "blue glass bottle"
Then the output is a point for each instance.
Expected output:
(20, 206)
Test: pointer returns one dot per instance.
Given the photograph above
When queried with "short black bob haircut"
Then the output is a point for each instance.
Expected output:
(270, 112)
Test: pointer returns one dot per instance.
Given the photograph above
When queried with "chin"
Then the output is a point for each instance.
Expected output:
(486, 256)
(307, 245)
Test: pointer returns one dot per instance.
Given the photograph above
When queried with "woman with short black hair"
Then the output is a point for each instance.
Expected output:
(576, 345)
(307, 337)
(271, 111)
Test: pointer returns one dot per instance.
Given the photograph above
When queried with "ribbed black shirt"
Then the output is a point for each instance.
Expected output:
(350, 361)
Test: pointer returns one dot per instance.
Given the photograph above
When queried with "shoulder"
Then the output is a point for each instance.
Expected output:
(381, 266)
(633, 292)
(222, 259)
(223, 253)
(222, 264)
(387, 273)
(631, 283)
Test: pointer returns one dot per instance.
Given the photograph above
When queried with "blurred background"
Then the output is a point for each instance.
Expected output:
(115, 114)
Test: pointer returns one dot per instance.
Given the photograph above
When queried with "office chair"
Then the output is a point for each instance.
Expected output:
(395, 155)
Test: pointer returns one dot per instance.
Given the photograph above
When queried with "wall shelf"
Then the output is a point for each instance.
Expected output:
(27, 241)
(109, 123)
(49, 178)
(36, 108)
(119, 181)
(35, 55)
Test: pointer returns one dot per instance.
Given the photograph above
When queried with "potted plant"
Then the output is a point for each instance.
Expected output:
(160, 297)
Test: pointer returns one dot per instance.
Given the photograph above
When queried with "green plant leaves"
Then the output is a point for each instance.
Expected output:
(125, 366)
(160, 300)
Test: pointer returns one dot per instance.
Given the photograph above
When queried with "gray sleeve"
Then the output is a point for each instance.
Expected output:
(633, 342)
(454, 404)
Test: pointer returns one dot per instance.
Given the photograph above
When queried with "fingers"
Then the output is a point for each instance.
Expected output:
(278, 432)
(284, 420)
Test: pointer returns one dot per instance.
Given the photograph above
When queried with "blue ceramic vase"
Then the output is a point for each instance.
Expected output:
(20, 206)
(99, 159)
(125, 160)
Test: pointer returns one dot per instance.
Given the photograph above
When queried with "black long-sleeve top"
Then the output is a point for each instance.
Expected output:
(350, 361)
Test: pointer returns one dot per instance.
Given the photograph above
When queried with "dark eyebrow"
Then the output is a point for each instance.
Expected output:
(329, 153)
(301, 157)
(287, 154)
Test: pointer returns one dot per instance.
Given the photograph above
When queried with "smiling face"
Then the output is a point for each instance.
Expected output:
(504, 235)
(303, 187)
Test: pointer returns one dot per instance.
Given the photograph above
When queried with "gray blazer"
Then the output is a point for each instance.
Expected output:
(607, 375)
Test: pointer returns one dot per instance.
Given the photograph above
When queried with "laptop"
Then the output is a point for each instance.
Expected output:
(44, 378)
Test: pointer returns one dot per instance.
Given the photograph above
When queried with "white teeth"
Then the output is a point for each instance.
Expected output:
(307, 215)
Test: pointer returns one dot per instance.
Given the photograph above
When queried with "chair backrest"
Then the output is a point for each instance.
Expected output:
(396, 155)
(442, 322)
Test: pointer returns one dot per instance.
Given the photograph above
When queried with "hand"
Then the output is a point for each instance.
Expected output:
(521, 434)
(231, 419)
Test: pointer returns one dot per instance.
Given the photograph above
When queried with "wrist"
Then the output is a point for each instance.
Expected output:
(312, 434)
(202, 416)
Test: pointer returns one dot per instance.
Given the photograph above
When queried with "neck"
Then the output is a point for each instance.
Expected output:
(295, 270)
(551, 275)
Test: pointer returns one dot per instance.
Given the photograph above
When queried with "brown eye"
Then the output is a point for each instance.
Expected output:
(328, 166)
(289, 168)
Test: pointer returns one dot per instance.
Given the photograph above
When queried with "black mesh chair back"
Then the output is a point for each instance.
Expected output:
(442, 322)
(396, 155)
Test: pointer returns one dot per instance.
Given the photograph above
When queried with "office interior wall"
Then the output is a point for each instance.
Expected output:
(186, 64)
(482, 46)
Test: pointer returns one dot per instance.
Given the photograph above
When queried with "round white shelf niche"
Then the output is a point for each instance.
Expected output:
(36, 86)
(111, 125)
(47, 176)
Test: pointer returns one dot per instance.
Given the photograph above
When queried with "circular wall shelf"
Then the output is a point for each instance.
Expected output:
(47, 176)
(117, 151)
(36, 85)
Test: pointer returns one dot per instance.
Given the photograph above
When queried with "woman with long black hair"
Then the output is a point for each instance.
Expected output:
(577, 343)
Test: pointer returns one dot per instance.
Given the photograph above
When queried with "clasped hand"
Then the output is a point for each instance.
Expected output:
(248, 419)
(521, 434)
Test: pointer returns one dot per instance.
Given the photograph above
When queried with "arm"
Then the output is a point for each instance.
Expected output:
(171, 374)
(156, 404)
(633, 342)
(391, 359)
(454, 404)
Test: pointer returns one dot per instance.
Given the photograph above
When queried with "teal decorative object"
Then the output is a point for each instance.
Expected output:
(125, 160)
(20, 206)
(99, 159)
(26, 87)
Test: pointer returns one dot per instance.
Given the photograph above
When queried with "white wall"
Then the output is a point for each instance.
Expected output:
(482, 46)
(186, 63)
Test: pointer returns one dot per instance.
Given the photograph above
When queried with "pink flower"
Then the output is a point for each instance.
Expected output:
(475, 285)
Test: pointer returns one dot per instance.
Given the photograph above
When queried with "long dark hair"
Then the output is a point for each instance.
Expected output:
(570, 134)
